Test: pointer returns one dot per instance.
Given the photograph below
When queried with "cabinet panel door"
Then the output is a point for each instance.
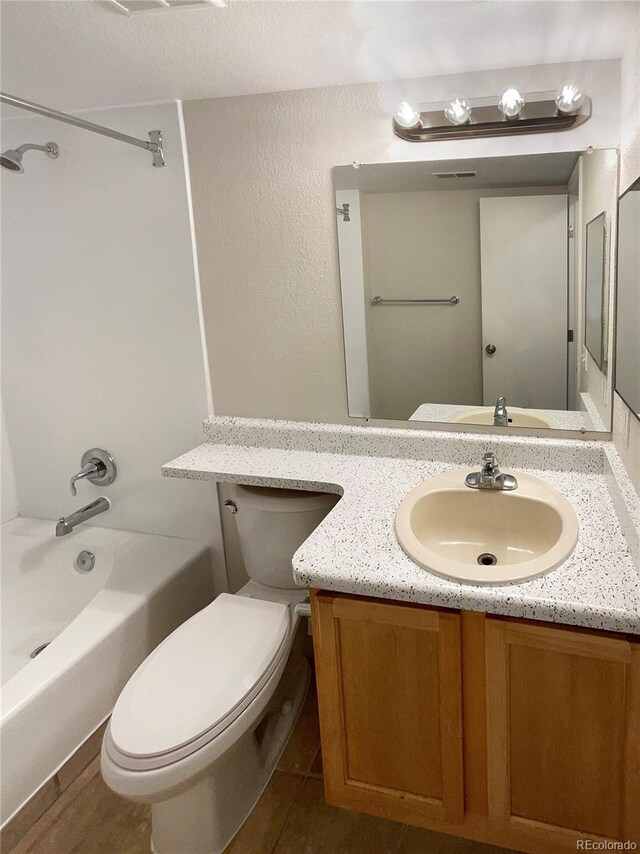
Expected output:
(389, 692)
(562, 721)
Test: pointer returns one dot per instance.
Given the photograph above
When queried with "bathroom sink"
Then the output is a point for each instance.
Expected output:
(486, 536)
(518, 417)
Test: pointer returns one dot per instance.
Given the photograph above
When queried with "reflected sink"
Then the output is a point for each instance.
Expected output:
(486, 536)
(518, 417)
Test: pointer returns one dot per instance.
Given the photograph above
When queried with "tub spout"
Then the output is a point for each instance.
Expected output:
(67, 523)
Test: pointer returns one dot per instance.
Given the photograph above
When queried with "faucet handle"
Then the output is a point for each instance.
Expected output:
(98, 466)
(87, 470)
(489, 459)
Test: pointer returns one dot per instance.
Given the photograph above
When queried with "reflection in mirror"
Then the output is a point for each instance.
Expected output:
(628, 310)
(464, 289)
(595, 290)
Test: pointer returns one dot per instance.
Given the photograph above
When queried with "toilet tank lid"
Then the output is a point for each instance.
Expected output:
(199, 676)
(276, 500)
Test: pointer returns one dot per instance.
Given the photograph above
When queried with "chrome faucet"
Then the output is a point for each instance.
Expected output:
(67, 523)
(500, 414)
(490, 476)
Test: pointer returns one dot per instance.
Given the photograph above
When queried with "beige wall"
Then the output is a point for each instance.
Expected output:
(265, 221)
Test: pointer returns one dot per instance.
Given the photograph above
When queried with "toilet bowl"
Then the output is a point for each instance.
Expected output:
(198, 729)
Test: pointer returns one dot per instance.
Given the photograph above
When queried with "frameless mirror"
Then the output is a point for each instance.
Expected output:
(469, 289)
(594, 334)
(628, 308)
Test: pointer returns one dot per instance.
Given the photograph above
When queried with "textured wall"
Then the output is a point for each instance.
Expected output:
(265, 222)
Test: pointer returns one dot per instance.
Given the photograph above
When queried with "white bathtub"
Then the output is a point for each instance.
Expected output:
(101, 625)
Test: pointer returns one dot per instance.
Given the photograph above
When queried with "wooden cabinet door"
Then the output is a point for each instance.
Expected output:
(563, 741)
(389, 694)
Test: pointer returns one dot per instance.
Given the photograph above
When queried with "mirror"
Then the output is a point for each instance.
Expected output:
(594, 290)
(470, 287)
(628, 309)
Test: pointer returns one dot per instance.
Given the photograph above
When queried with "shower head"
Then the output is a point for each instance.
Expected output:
(11, 160)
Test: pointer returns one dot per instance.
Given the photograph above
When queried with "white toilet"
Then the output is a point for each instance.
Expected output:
(198, 729)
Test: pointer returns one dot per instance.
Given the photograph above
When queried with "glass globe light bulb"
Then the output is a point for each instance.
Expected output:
(457, 111)
(569, 98)
(407, 115)
(511, 103)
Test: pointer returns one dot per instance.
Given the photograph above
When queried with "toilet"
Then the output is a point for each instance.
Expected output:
(199, 728)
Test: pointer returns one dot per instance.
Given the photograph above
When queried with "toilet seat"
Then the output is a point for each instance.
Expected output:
(198, 681)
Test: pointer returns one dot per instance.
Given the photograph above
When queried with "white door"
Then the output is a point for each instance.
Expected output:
(524, 258)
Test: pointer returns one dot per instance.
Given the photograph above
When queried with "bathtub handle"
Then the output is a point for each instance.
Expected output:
(98, 466)
(86, 470)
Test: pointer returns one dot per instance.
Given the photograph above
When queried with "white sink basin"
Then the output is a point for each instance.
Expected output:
(518, 417)
(486, 536)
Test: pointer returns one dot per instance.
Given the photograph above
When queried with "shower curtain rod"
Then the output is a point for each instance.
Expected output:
(153, 144)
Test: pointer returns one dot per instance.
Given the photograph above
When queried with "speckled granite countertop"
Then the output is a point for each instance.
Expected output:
(355, 550)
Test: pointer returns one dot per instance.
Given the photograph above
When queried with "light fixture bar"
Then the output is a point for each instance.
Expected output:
(536, 117)
(153, 144)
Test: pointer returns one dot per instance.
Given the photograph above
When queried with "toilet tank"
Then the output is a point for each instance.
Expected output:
(272, 524)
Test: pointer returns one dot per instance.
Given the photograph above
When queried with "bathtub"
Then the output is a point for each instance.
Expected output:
(98, 625)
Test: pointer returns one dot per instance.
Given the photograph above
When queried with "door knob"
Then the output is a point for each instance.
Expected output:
(490, 349)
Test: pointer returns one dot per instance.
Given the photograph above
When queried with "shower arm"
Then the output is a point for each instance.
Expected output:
(153, 144)
(31, 146)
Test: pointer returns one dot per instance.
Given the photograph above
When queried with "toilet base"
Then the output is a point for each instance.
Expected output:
(205, 818)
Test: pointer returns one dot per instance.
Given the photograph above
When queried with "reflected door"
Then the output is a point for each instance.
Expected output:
(524, 261)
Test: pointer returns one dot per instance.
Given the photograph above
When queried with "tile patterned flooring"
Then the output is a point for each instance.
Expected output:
(290, 818)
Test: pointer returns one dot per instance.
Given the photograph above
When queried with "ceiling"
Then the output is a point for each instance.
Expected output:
(528, 170)
(74, 54)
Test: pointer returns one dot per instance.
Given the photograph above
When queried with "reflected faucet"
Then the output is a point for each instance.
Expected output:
(500, 414)
(67, 523)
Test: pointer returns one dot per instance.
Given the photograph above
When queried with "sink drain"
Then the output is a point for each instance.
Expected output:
(487, 559)
(39, 649)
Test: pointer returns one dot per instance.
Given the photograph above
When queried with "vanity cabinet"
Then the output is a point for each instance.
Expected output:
(390, 703)
(563, 732)
(521, 734)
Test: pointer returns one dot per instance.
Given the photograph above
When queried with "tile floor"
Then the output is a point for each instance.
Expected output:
(290, 818)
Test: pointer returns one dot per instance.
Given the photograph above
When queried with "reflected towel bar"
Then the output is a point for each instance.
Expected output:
(449, 301)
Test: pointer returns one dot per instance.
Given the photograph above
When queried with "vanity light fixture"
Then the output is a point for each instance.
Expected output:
(511, 103)
(407, 115)
(458, 111)
(511, 113)
(569, 98)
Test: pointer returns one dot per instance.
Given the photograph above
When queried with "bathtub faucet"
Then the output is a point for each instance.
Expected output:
(67, 523)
